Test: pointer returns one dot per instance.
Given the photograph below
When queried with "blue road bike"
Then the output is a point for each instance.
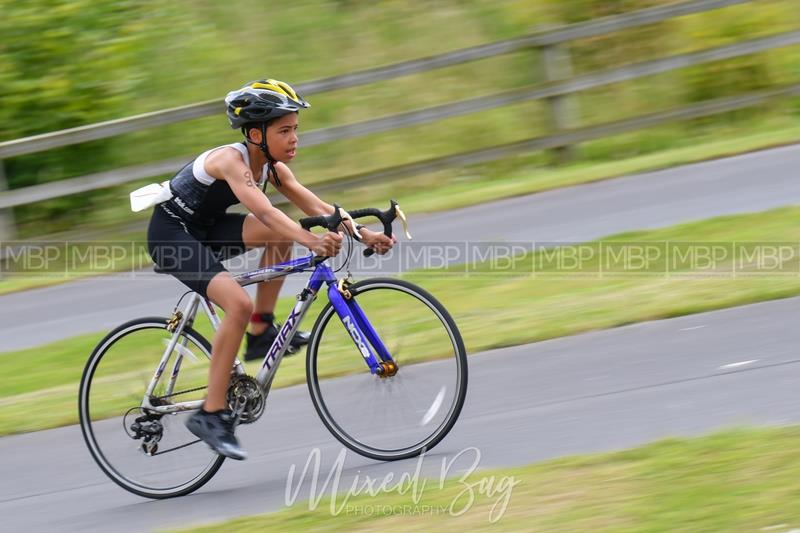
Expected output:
(388, 387)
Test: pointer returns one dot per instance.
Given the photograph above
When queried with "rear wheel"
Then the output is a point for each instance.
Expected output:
(397, 416)
(146, 453)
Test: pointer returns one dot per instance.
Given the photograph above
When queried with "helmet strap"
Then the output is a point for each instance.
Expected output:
(265, 149)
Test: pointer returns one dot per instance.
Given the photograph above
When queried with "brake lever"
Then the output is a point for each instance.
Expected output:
(404, 220)
(346, 216)
(394, 211)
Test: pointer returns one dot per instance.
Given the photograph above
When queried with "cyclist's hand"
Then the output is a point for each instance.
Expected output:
(377, 240)
(327, 245)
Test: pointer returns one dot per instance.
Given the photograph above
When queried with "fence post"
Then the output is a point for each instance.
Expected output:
(7, 231)
(562, 110)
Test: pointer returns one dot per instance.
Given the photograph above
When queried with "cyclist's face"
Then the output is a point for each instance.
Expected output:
(282, 138)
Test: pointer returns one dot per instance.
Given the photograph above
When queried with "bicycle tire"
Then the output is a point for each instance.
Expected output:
(318, 399)
(86, 423)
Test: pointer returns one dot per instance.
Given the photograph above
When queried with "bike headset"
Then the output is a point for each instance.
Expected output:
(259, 102)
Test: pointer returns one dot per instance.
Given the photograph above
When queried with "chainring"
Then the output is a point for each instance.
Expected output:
(246, 398)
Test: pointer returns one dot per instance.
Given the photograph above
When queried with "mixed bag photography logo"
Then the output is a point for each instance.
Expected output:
(458, 478)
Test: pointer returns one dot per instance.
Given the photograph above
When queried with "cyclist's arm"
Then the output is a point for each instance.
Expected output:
(305, 200)
(230, 167)
(312, 205)
(308, 202)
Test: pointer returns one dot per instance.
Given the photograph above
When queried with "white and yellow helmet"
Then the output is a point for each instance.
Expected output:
(262, 100)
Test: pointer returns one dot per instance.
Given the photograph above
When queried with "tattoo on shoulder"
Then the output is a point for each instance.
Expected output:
(249, 177)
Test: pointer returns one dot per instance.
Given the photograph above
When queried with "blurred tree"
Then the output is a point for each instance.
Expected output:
(65, 64)
(733, 76)
(616, 48)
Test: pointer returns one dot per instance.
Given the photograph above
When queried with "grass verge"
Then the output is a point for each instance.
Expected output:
(68, 257)
(736, 480)
(532, 298)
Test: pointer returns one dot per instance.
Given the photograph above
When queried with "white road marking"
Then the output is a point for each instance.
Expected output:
(693, 327)
(740, 363)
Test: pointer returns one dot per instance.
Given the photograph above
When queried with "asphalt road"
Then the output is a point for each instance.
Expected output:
(598, 391)
(751, 182)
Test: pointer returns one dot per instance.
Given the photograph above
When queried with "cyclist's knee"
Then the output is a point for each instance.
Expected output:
(239, 308)
(231, 297)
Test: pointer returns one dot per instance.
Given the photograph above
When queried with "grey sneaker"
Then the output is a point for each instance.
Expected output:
(216, 430)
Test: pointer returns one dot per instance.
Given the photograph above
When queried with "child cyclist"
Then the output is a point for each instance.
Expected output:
(190, 234)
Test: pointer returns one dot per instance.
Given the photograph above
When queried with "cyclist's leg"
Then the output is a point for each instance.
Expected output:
(175, 248)
(214, 423)
(232, 298)
(277, 249)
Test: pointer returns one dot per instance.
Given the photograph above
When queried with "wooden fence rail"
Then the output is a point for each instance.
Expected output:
(559, 85)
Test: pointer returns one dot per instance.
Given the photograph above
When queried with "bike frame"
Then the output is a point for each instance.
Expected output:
(361, 332)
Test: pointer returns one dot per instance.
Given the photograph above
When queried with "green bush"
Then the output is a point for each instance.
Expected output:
(65, 64)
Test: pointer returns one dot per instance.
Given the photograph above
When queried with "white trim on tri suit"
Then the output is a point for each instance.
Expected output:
(199, 166)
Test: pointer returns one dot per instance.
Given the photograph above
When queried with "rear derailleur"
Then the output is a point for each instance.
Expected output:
(149, 429)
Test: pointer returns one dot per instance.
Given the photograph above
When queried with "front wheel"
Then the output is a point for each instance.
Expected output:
(408, 413)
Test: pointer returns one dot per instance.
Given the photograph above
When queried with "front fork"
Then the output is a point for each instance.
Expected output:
(364, 336)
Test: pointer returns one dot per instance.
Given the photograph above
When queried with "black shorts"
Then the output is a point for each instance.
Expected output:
(191, 252)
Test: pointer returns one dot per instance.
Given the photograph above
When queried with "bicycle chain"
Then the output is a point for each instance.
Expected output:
(249, 417)
(180, 392)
